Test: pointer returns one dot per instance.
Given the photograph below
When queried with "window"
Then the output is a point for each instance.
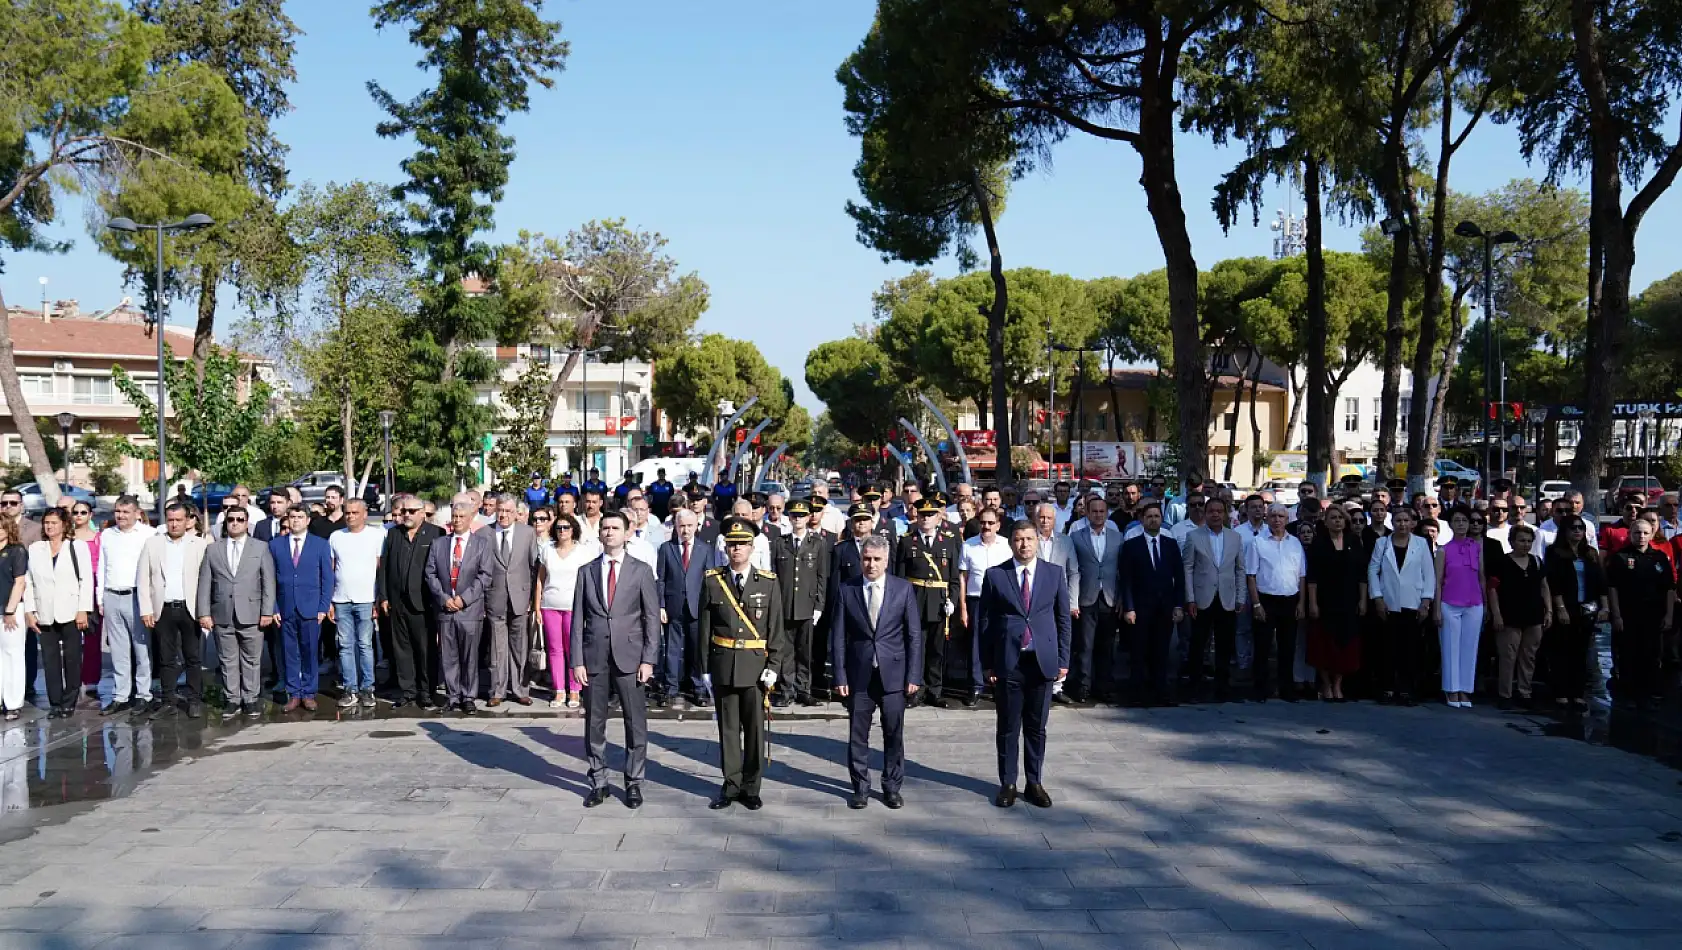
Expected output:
(1352, 415)
(1377, 410)
(151, 390)
(94, 391)
(1231, 420)
(15, 454)
(36, 384)
(541, 354)
(597, 403)
(1405, 410)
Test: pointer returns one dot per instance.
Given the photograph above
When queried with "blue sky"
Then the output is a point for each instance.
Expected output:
(719, 125)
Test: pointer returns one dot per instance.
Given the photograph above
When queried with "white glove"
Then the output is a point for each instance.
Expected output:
(817, 615)
(948, 608)
(768, 678)
(707, 678)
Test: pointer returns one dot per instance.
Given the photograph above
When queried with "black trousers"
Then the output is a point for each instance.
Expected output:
(411, 651)
(964, 651)
(861, 710)
(31, 663)
(1636, 655)
(1567, 649)
(741, 737)
(1152, 639)
(1394, 663)
(1220, 623)
(1279, 628)
(1092, 665)
(801, 676)
(935, 634)
(61, 654)
(177, 636)
(1024, 702)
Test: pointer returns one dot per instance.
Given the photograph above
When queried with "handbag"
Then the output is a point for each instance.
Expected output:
(537, 658)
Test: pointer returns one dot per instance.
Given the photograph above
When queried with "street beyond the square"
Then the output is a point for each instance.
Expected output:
(1215, 826)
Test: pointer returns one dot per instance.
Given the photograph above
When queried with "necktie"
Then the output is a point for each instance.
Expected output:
(455, 564)
(739, 584)
(686, 557)
(1027, 602)
(505, 543)
(874, 602)
(233, 558)
(612, 582)
(297, 551)
(1153, 554)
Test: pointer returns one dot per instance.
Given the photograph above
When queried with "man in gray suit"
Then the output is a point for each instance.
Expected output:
(509, 602)
(1055, 547)
(615, 639)
(458, 572)
(1097, 544)
(235, 592)
(1215, 589)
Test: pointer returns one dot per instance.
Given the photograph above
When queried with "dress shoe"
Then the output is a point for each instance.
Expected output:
(115, 708)
(468, 708)
(494, 702)
(893, 800)
(780, 701)
(309, 704)
(1006, 796)
(596, 797)
(1035, 795)
(403, 704)
(858, 800)
(254, 710)
(633, 797)
(232, 712)
(292, 705)
(153, 706)
(426, 702)
(805, 699)
(1062, 699)
(752, 802)
(938, 702)
(704, 701)
(972, 702)
(195, 710)
(523, 700)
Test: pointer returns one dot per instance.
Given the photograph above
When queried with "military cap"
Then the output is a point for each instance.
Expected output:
(940, 498)
(928, 506)
(1448, 481)
(1397, 484)
(861, 510)
(759, 499)
(799, 506)
(870, 493)
(819, 502)
(738, 530)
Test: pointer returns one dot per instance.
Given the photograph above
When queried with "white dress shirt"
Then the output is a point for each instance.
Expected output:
(976, 558)
(1277, 563)
(618, 570)
(175, 569)
(1099, 539)
(119, 558)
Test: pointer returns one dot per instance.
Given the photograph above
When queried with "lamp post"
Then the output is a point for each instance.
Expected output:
(1467, 229)
(1080, 374)
(193, 222)
(65, 421)
(387, 417)
(1537, 416)
(1646, 416)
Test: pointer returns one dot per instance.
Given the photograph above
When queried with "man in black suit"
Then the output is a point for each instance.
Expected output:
(928, 557)
(275, 524)
(876, 644)
(406, 603)
(801, 563)
(684, 561)
(1025, 637)
(1151, 576)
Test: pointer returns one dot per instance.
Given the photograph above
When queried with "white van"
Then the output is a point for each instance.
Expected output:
(677, 469)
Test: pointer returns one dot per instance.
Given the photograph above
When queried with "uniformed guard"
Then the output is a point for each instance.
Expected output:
(1643, 599)
(742, 622)
(872, 496)
(801, 562)
(819, 503)
(928, 557)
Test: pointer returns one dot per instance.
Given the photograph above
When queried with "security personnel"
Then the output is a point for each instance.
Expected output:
(928, 557)
(819, 503)
(801, 563)
(742, 623)
(724, 497)
(1448, 492)
(872, 496)
(1643, 599)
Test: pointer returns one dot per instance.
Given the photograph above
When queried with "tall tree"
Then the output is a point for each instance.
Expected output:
(933, 169)
(84, 110)
(858, 385)
(1600, 86)
(485, 54)
(694, 379)
(524, 450)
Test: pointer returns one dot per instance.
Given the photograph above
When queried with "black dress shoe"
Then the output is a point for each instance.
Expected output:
(468, 708)
(752, 802)
(596, 797)
(938, 702)
(893, 800)
(1036, 795)
(154, 706)
(858, 801)
(720, 803)
(1006, 796)
(704, 701)
(633, 797)
(115, 708)
(1062, 699)
(972, 702)
(403, 704)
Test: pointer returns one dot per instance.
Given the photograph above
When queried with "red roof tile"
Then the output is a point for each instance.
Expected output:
(96, 338)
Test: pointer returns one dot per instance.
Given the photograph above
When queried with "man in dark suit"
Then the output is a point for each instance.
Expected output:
(236, 591)
(274, 525)
(458, 574)
(684, 561)
(303, 592)
(742, 623)
(509, 603)
(1152, 579)
(615, 640)
(928, 557)
(801, 563)
(882, 525)
(1025, 636)
(876, 644)
(405, 601)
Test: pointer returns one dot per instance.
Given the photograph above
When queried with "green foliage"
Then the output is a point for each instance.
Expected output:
(103, 455)
(830, 447)
(220, 426)
(524, 449)
(856, 381)
(485, 54)
(691, 383)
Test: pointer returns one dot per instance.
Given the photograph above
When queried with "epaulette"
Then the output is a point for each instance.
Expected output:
(768, 575)
(715, 572)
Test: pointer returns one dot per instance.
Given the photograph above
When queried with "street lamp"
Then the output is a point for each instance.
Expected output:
(387, 417)
(1467, 229)
(1537, 415)
(1646, 416)
(193, 222)
(1080, 374)
(65, 421)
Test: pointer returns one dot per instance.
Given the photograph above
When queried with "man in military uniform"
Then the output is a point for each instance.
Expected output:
(928, 557)
(801, 563)
(884, 525)
(742, 623)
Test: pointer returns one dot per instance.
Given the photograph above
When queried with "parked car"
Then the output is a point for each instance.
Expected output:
(314, 485)
(34, 503)
(1284, 493)
(208, 496)
(800, 489)
(1552, 490)
(1643, 489)
(769, 487)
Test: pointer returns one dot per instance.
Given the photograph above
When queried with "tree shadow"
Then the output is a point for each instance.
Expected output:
(488, 751)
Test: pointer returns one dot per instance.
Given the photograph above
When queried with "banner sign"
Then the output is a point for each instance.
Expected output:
(1620, 410)
(977, 438)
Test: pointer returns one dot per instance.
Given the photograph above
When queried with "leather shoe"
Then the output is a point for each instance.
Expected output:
(523, 700)
(309, 704)
(115, 708)
(893, 800)
(938, 702)
(596, 797)
(1062, 699)
(633, 797)
(720, 803)
(1036, 796)
(972, 702)
(468, 708)
(495, 701)
(403, 704)
(752, 802)
(292, 705)
(1006, 796)
(858, 801)
(153, 706)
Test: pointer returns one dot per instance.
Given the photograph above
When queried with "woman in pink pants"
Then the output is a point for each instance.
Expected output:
(560, 556)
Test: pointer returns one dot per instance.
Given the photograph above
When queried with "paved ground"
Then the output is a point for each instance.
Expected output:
(1200, 827)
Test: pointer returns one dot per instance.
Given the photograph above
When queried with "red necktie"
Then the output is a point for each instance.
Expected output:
(455, 564)
(1027, 602)
(686, 557)
(297, 548)
(612, 582)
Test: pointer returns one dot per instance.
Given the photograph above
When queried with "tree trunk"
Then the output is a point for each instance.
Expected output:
(1115, 395)
(1296, 408)
(1237, 399)
(557, 387)
(1422, 447)
(1191, 369)
(1445, 373)
(1390, 397)
(204, 329)
(1255, 425)
(981, 411)
(347, 424)
(1320, 430)
(1002, 473)
(22, 418)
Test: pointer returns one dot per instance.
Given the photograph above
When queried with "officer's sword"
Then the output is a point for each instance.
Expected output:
(767, 702)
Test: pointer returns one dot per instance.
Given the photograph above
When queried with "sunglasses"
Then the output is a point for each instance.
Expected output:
(231, 519)
(542, 518)
(563, 526)
(84, 512)
(1433, 504)
(410, 511)
(1499, 508)
(11, 504)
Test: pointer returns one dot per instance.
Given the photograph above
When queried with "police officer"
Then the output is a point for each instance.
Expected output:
(742, 623)
(801, 562)
(928, 557)
(872, 496)
(1643, 595)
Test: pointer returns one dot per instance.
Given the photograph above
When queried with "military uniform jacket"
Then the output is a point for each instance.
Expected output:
(932, 571)
(762, 603)
(803, 570)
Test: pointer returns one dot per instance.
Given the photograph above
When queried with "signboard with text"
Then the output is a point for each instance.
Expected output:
(977, 438)
(1119, 460)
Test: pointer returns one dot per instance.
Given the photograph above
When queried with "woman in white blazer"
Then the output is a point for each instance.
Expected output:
(58, 600)
(1402, 582)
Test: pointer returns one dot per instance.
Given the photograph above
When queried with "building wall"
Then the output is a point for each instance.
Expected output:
(1096, 424)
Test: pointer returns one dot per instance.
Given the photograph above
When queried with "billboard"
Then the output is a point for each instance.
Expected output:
(1288, 467)
(1119, 460)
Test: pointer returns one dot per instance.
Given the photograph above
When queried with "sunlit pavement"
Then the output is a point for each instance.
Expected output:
(1269, 826)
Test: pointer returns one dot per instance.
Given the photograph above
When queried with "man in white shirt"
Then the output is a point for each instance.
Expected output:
(1571, 503)
(168, 591)
(1669, 526)
(980, 553)
(1276, 566)
(1065, 506)
(1499, 527)
(960, 491)
(1251, 525)
(240, 497)
(1055, 548)
(356, 552)
(128, 656)
(643, 527)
